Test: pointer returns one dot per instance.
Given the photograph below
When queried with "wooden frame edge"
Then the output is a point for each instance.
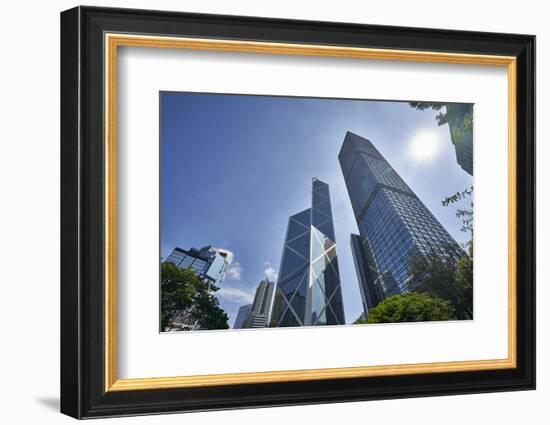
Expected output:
(306, 375)
(114, 40)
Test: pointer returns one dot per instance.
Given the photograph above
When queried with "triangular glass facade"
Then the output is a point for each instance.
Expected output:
(308, 291)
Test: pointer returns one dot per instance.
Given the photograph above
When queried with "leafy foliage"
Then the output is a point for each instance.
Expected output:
(459, 116)
(187, 298)
(179, 287)
(439, 274)
(412, 307)
(447, 272)
(450, 275)
(209, 315)
(465, 278)
(464, 214)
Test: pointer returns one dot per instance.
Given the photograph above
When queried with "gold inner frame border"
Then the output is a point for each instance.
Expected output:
(113, 40)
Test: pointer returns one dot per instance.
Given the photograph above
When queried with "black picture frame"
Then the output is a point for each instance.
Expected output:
(83, 392)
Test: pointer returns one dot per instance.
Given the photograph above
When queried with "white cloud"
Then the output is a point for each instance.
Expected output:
(234, 271)
(270, 272)
(237, 295)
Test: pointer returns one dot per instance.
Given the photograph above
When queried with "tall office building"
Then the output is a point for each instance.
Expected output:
(308, 288)
(256, 315)
(462, 135)
(242, 317)
(261, 306)
(371, 293)
(394, 224)
(209, 262)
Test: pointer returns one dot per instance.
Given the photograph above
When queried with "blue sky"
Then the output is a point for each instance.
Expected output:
(235, 167)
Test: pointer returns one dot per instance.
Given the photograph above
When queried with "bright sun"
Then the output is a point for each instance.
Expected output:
(425, 145)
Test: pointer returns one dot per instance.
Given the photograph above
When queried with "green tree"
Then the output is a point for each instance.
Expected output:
(448, 272)
(459, 116)
(411, 307)
(465, 278)
(449, 275)
(464, 214)
(208, 313)
(187, 296)
(465, 265)
(179, 288)
(438, 272)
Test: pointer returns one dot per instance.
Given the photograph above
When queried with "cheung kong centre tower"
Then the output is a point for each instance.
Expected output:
(308, 289)
(395, 226)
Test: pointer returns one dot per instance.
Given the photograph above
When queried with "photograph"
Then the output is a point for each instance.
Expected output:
(279, 211)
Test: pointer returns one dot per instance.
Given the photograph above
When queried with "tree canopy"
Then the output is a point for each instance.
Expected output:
(458, 115)
(411, 307)
(186, 297)
(447, 272)
(447, 275)
(464, 214)
(450, 274)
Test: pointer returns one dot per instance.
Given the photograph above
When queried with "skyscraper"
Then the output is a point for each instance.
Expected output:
(242, 317)
(371, 293)
(209, 262)
(394, 224)
(462, 135)
(261, 306)
(308, 288)
(256, 315)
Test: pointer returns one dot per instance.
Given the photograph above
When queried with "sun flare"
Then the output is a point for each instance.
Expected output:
(425, 145)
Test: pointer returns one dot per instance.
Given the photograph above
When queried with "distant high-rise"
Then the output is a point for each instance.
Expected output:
(256, 315)
(462, 136)
(242, 317)
(261, 306)
(371, 292)
(209, 262)
(394, 224)
(308, 289)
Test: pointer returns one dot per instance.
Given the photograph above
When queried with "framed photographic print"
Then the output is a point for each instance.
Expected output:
(261, 212)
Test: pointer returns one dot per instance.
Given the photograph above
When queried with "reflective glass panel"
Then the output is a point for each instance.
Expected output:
(289, 286)
(303, 218)
(291, 262)
(301, 244)
(324, 207)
